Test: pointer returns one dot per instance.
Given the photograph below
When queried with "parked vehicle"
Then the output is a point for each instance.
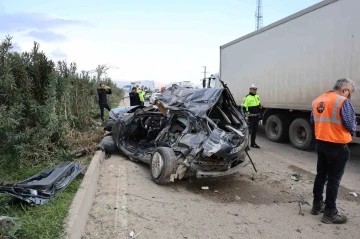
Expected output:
(193, 132)
(293, 61)
(155, 96)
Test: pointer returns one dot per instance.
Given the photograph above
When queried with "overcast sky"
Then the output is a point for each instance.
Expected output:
(161, 40)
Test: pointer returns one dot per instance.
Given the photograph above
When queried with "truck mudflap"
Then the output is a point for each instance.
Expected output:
(213, 174)
(356, 137)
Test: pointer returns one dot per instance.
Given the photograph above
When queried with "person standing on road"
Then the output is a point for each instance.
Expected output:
(141, 93)
(334, 119)
(134, 97)
(102, 93)
(251, 107)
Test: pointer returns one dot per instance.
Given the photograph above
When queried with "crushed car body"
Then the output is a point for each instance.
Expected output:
(192, 132)
(40, 188)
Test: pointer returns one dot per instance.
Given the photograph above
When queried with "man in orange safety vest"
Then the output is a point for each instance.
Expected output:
(334, 119)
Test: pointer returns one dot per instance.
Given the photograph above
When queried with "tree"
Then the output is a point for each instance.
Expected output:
(100, 70)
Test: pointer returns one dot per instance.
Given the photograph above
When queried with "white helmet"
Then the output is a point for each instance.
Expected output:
(253, 86)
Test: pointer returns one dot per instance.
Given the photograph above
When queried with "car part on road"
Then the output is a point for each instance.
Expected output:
(247, 153)
(301, 202)
(40, 188)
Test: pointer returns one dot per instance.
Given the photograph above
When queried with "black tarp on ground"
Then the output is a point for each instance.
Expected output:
(40, 188)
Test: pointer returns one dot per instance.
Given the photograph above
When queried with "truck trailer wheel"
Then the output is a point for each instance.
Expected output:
(163, 164)
(277, 128)
(301, 134)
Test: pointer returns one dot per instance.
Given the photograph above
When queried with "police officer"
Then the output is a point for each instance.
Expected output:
(251, 107)
(335, 122)
(141, 94)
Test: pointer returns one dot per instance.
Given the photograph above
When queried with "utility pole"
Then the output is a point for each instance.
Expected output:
(204, 79)
(204, 72)
(258, 15)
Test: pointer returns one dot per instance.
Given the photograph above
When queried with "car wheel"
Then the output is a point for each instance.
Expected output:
(109, 124)
(277, 128)
(108, 145)
(162, 165)
(301, 134)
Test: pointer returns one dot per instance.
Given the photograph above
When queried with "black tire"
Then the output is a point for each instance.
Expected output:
(301, 134)
(108, 145)
(109, 124)
(161, 175)
(277, 128)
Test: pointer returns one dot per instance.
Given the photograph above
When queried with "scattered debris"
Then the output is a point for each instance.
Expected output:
(233, 214)
(298, 230)
(296, 177)
(132, 234)
(137, 234)
(353, 193)
(40, 188)
(302, 201)
(216, 191)
(123, 207)
(237, 198)
(111, 166)
(204, 187)
(148, 199)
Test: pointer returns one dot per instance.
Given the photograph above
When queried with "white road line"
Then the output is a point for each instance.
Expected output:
(120, 224)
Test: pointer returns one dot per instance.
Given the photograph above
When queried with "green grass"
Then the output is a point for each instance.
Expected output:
(40, 221)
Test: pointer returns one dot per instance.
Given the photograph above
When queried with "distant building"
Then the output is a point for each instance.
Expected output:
(147, 84)
(127, 85)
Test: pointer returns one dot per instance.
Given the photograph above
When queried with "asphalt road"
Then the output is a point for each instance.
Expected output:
(245, 205)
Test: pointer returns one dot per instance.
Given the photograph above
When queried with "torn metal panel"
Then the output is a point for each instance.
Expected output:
(196, 101)
(40, 188)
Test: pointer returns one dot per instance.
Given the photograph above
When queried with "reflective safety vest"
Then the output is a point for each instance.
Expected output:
(328, 125)
(141, 95)
(251, 103)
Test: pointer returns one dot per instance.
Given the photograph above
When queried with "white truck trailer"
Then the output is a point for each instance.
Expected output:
(293, 61)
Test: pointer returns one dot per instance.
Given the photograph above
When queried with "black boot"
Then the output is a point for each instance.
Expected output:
(254, 145)
(318, 207)
(333, 216)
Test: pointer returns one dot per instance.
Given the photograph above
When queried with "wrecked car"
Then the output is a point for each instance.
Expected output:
(193, 132)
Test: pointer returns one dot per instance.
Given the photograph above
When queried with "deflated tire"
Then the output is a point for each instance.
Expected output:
(163, 165)
(108, 145)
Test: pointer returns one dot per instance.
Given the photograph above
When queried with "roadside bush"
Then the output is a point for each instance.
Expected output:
(42, 105)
